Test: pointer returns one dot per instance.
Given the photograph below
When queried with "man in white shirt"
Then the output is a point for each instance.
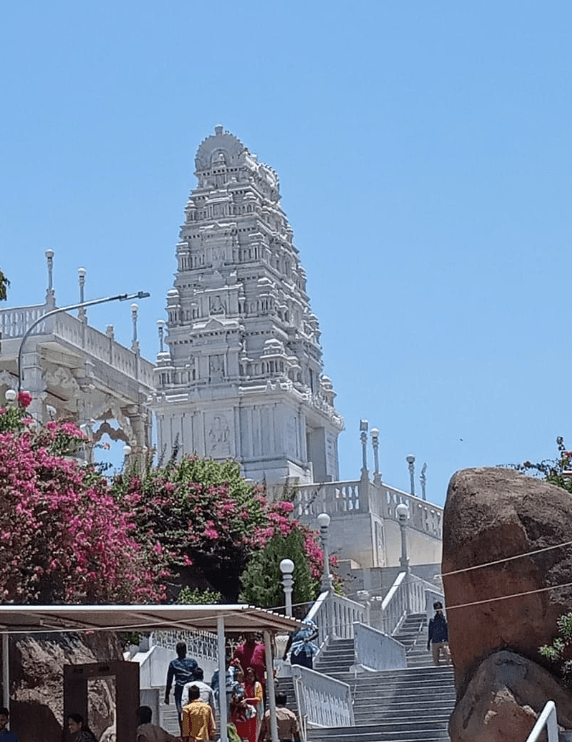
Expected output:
(205, 691)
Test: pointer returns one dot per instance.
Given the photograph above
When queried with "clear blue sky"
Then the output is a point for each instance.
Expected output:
(424, 152)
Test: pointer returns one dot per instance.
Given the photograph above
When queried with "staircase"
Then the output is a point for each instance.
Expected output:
(410, 705)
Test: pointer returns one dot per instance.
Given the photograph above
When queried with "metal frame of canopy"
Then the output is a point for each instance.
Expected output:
(31, 619)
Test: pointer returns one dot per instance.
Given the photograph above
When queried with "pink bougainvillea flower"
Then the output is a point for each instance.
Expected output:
(24, 399)
(287, 506)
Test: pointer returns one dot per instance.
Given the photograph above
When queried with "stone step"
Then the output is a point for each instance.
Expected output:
(406, 732)
(408, 705)
(405, 701)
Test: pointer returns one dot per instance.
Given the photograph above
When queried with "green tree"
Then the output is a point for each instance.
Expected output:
(262, 578)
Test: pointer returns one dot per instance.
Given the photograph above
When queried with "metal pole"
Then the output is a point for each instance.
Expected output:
(6, 670)
(363, 426)
(222, 679)
(411, 462)
(324, 523)
(82, 314)
(270, 686)
(403, 515)
(119, 297)
(375, 444)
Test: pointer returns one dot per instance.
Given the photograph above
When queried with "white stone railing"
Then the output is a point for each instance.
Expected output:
(201, 645)
(394, 606)
(364, 496)
(15, 322)
(335, 617)
(408, 594)
(322, 701)
(375, 650)
(344, 614)
(318, 614)
(332, 497)
(423, 516)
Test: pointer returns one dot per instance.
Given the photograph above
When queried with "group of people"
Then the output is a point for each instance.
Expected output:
(244, 688)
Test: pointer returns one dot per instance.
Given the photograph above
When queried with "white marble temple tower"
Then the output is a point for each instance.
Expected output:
(242, 377)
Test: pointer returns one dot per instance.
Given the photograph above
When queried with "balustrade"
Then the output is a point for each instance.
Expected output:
(337, 498)
(322, 700)
(201, 645)
(375, 650)
(335, 617)
(395, 605)
(15, 322)
(423, 515)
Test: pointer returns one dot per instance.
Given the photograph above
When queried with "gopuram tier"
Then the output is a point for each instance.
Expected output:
(241, 375)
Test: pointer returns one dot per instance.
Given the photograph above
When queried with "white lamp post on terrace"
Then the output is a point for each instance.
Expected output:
(287, 569)
(324, 523)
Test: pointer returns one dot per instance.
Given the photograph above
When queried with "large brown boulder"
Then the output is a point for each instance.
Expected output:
(36, 674)
(504, 699)
(492, 515)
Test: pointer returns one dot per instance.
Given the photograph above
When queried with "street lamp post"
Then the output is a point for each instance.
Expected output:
(411, 462)
(82, 314)
(324, 523)
(80, 305)
(375, 444)
(402, 515)
(287, 569)
(363, 426)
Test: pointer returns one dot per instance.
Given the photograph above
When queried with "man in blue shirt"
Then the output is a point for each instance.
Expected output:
(182, 670)
(5, 735)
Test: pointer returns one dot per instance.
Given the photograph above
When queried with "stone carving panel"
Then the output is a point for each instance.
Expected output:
(218, 435)
(216, 367)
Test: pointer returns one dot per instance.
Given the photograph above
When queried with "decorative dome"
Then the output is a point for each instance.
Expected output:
(221, 149)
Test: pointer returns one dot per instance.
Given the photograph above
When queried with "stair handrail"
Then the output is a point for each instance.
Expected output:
(335, 617)
(394, 606)
(408, 594)
(317, 614)
(546, 719)
(322, 700)
(377, 651)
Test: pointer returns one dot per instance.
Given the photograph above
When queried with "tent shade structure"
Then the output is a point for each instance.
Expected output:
(44, 618)
(30, 619)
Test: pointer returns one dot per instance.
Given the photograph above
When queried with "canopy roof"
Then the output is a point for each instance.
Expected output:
(28, 619)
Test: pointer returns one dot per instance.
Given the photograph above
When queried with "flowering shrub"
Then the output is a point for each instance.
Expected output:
(555, 471)
(67, 535)
(63, 536)
(209, 521)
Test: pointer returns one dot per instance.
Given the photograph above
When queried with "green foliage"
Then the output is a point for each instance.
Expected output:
(555, 651)
(133, 637)
(188, 596)
(262, 579)
(203, 514)
(553, 471)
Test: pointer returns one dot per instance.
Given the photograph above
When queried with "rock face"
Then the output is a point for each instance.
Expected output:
(491, 515)
(503, 700)
(36, 674)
